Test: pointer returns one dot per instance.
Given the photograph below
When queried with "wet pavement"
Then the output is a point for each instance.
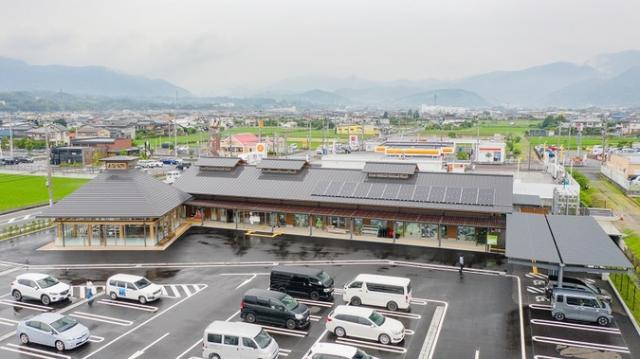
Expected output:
(205, 273)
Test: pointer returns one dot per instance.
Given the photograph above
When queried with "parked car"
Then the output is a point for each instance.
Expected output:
(224, 340)
(309, 282)
(576, 283)
(9, 161)
(23, 160)
(336, 351)
(268, 306)
(383, 291)
(172, 161)
(364, 323)
(38, 286)
(53, 330)
(133, 287)
(580, 305)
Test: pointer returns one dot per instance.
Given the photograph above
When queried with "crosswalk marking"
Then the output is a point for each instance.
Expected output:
(36, 353)
(102, 318)
(117, 303)
(25, 305)
(531, 289)
(182, 290)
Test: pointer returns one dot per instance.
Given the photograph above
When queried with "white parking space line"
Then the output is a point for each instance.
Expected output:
(388, 313)
(371, 345)
(544, 357)
(431, 339)
(116, 303)
(8, 322)
(187, 290)
(96, 339)
(284, 352)
(284, 331)
(535, 290)
(11, 220)
(591, 328)
(316, 303)
(102, 318)
(536, 275)
(540, 306)
(189, 349)
(578, 344)
(409, 332)
(141, 351)
(253, 276)
(419, 301)
(315, 318)
(13, 303)
(36, 353)
(477, 356)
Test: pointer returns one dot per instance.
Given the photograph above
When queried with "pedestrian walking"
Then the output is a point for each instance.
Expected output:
(89, 292)
(461, 264)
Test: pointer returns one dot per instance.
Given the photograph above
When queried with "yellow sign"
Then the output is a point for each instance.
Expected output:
(261, 148)
(261, 123)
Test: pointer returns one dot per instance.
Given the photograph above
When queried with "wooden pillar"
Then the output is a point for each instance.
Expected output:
(351, 227)
(152, 232)
(310, 225)
(122, 234)
(60, 232)
(90, 234)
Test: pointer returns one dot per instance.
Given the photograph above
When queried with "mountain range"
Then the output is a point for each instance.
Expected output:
(606, 80)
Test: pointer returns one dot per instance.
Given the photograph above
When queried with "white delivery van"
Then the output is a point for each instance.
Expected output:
(132, 287)
(238, 340)
(378, 290)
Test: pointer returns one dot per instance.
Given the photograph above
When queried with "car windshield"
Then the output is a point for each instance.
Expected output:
(324, 277)
(263, 339)
(361, 355)
(63, 324)
(289, 302)
(47, 282)
(377, 318)
(142, 283)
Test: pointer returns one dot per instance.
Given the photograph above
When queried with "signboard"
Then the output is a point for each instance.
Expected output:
(353, 141)
(492, 239)
(261, 148)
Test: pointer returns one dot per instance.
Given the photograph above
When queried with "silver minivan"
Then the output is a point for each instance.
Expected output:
(237, 340)
(580, 305)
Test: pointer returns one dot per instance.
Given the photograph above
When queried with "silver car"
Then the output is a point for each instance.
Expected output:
(54, 330)
(580, 305)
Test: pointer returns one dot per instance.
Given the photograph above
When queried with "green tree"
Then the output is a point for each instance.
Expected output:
(451, 134)
(462, 155)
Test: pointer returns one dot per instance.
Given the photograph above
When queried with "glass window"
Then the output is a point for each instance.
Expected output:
(377, 318)
(301, 220)
(214, 338)
(355, 285)
(130, 286)
(289, 302)
(249, 343)
(63, 324)
(573, 301)
(47, 282)
(231, 340)
(429, 231)
(263, 339)
(142, 283)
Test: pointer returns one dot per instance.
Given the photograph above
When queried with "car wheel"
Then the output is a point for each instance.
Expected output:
(314, 296)
(603, 321)
(24, 339)
(356, 301)
(290, 324)
(559, 316)
(339, 332)
(45, 299)
(214, 356)
(251, 318)
(113, 295)
(59, 346)
(17, 295)
(392, 306)
(384, 339)
(142, 299)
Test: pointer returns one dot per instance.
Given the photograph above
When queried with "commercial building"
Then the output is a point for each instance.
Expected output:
(369, 130)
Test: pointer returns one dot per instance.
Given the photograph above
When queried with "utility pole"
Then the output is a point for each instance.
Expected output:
(175, 126)
(49, 170)
(604, 137)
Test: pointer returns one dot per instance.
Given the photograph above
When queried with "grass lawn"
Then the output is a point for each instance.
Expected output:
(570, 142)
(632, 240)
(488, 128)
(19, 191)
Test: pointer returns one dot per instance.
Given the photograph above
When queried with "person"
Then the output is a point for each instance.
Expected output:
(89, 292)
(461, 263)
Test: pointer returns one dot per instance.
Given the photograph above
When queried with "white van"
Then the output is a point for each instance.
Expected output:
(238, 340)
(378, 290)
(132, 287)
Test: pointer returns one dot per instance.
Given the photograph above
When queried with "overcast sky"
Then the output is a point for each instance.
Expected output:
(211, 46)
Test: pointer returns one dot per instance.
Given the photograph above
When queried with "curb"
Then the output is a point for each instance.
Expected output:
(624, 305)
(24, 208)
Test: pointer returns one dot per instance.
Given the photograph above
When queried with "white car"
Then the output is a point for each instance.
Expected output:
(336, 351)
(132, 287)
(38, 286)
(364, 323)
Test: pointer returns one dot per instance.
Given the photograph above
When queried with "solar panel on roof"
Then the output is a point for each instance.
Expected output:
(421, 194)
(347, 189)
(377, 189)
(320, 188)
(391, 192)
(334, 188)
(486, 196)
(452, 195)
(362, 190)
(437, 194)
(469, 195)
(406, 192)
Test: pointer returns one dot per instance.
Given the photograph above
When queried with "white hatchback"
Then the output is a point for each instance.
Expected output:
(364, 323)
(336, 351)
(38, 286)
(132, 287)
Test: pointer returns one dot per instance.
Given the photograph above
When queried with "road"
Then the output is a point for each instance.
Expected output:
(19, 218)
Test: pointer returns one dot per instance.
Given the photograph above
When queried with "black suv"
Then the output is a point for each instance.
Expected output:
(268, 306)
(309, 282)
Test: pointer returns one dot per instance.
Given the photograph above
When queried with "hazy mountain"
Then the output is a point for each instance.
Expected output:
(527, 86)
(324, 83)
(17, 75)
(616, 63)
(444, 97)
(317, 97)
(621, 90)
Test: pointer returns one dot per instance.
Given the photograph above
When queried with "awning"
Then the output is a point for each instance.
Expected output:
(609, 228)
(493, 222)
(569, 240)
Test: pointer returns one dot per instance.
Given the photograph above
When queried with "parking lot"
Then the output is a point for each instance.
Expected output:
(483, 314)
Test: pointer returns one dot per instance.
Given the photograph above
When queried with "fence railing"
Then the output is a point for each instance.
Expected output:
(629, 289)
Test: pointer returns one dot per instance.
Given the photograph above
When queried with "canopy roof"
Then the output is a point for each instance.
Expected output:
(568, 240)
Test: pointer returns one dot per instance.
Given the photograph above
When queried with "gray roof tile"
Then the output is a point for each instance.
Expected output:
(390, 168)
